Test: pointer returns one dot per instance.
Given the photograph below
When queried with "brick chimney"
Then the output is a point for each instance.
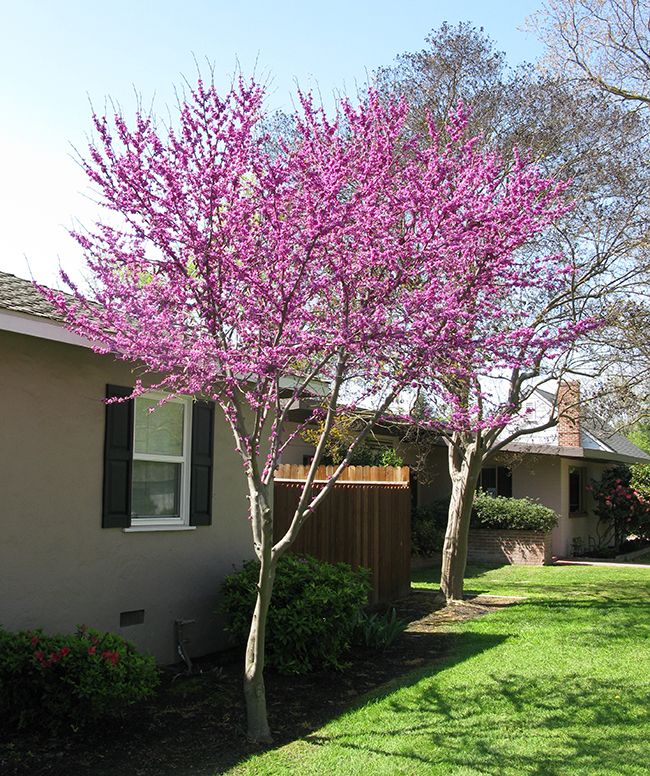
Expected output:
(569, 414)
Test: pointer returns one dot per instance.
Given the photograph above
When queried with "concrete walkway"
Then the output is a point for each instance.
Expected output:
(598, 562)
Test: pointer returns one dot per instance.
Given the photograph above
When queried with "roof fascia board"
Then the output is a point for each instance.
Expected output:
(35, 326)
(611, 457)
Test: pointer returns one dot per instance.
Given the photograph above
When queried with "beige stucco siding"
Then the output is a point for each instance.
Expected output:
(58, 567)
(546, 479)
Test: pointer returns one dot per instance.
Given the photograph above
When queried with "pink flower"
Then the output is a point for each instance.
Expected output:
(91, 651)
(34, 641)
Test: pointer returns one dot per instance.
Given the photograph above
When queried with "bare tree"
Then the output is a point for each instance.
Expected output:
(603, 42)
(574, 133)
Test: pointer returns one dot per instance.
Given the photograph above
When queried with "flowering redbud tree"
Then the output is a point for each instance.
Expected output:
(247, 272)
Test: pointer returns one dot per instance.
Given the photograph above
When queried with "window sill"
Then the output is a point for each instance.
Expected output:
(578, 514)
(150, 528)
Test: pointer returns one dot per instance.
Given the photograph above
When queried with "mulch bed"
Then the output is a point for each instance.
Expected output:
(197, 723)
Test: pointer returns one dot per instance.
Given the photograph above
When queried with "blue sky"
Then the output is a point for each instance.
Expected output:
(57, 55)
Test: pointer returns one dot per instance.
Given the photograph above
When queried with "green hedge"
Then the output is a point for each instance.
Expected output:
(429, 523)
(313, 607)
(48, 681)
(519, 514)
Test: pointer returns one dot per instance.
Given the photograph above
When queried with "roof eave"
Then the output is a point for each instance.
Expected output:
(39, 326)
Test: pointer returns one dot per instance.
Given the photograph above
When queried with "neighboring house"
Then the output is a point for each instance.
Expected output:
(111, 516)
(554, 466)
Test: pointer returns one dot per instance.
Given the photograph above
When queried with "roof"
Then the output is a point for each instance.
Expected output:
(602, 431)
(21, 296)
(24, 310)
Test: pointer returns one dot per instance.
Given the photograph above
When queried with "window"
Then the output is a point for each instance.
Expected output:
(157, 465)
(530, 412)
(576, 490)
(496, 480)
(160, 486)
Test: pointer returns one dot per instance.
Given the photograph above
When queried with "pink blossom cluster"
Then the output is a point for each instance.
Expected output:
(54, 657)
(345, 254)
(111, 657)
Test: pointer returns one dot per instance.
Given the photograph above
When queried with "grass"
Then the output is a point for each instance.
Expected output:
(557, 684)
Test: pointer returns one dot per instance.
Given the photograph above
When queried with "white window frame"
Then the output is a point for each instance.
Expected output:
(183, 519)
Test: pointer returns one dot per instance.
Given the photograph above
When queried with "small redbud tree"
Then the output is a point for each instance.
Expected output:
(344, 256)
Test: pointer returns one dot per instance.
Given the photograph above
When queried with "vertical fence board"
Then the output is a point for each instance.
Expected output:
(365, 521)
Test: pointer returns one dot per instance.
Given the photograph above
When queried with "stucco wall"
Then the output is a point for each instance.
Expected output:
(433, 480)
(546, 478)
(58, 567)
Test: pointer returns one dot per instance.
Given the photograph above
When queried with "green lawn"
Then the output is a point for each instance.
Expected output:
(557, 684)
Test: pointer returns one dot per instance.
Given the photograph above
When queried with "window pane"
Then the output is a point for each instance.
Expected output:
(156, 489)
(489, 481)
(159, 432)
(504, 482)
(575, 489)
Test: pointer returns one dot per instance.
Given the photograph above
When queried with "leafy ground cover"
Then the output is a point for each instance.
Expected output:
(556, 684)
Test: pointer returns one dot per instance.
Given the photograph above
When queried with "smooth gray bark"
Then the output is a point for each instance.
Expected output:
(465, 461)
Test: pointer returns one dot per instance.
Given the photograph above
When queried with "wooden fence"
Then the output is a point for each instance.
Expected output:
(364, 521)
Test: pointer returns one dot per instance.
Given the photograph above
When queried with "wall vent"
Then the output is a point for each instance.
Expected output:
(131, 618)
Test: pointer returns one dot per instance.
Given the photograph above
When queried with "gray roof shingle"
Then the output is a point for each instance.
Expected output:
(604, 433)
(21, 296)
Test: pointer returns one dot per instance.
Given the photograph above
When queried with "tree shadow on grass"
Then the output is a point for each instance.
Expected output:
(504, 723)
(549, 725)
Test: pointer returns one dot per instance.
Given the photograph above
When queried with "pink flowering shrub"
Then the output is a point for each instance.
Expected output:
(621, 506)
(48, 681)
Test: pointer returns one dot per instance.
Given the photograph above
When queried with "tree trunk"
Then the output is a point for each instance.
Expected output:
(262, 518)
(464, 468)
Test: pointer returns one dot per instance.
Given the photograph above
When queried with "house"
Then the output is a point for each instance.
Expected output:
(70, 550)
(554, 466)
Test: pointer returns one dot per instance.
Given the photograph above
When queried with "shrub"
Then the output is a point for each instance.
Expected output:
(428, 526)
(47, 681)
(310, 615)
(519, 514)
(622, 504)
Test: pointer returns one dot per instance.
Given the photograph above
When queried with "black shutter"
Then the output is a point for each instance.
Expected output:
(201, 464)
(118, 459)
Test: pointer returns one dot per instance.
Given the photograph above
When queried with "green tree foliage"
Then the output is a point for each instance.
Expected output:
(342, 435)
(428, 525)
(640, 435)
